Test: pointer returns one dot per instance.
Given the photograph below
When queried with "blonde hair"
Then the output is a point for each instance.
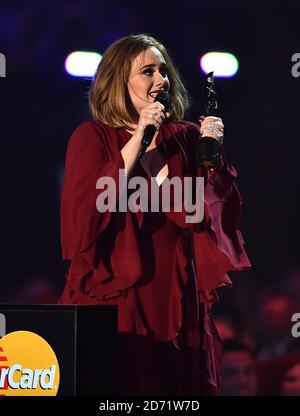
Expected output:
(108, 96)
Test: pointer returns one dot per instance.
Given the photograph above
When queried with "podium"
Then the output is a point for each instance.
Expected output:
(83, 337)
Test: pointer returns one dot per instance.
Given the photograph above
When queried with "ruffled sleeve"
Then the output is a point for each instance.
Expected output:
(103, 246)
(218, 242)
(87, 160)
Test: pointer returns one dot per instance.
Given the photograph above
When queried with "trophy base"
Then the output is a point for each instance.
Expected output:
(207, 152)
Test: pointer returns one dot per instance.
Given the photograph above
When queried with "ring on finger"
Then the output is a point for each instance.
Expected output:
(218, 132)
(153, 115)
(213, 125)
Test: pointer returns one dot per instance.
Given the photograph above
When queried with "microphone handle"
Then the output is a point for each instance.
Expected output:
(149, 132)
(147, 138)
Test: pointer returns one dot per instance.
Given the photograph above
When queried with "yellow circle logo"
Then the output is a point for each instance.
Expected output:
(28, 366)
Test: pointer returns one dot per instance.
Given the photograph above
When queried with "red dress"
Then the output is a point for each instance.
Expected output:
(161, 271)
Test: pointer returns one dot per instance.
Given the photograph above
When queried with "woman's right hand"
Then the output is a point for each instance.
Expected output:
(152, 114)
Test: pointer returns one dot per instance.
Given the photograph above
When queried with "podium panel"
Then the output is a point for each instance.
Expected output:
(83, 338)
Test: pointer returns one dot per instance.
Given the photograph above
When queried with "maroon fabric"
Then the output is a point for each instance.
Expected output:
(161, 271)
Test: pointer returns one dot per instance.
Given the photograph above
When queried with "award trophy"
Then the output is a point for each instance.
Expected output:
(208, 148)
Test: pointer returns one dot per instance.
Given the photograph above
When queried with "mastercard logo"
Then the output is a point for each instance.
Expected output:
(28, 366)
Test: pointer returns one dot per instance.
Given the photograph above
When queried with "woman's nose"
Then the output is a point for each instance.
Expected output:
(160, 80)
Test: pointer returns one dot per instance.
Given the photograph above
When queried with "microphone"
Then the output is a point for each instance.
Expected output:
(164, 98)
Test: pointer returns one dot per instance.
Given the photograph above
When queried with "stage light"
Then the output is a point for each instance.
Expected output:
(223, 64)
(82, 64)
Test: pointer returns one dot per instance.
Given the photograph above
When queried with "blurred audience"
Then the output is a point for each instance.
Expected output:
(225, 328)
(231, 326)
(291, 381)
(271, 373)
(238, 373)
(35, 289)
(291, 285)
(274, 325)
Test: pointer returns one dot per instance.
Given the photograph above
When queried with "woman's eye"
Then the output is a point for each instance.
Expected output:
(148, 72)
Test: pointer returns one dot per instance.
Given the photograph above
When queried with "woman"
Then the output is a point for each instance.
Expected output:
(160, 269)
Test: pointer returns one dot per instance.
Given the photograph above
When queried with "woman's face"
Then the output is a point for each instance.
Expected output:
(147, 77)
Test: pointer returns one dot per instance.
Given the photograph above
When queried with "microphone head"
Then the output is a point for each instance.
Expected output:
(164, 98)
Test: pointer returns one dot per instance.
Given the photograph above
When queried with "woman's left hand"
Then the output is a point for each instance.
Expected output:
(211, 126)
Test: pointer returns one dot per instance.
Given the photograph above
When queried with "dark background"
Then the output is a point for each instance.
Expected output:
(41, 105)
